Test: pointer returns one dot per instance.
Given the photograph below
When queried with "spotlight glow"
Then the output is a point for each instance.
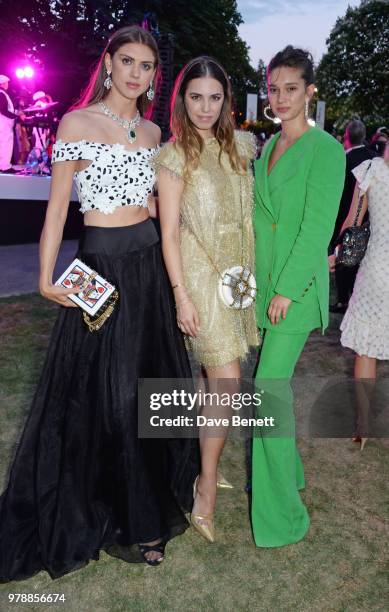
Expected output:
(26, 72)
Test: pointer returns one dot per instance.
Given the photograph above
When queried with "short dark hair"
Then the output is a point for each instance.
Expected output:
(293, 57)
(356, 132)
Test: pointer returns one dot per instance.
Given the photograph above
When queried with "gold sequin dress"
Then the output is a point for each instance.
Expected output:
(215, 201)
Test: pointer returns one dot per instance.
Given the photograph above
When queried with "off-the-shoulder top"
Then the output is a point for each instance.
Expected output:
(115, 177)
(371, 171)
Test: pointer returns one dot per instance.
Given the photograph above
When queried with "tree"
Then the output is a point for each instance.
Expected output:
(211, 28)
(65, 37)
(261, 78)
(353, 76)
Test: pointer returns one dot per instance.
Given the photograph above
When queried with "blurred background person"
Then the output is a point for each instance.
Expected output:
(41, 133)
(379, 140)
(22, 145)
(356, 153)
(365, 327)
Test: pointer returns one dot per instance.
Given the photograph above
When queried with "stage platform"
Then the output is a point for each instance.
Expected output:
(23, 202)
(27, 187)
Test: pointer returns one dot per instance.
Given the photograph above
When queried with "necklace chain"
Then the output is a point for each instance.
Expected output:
(128, 124)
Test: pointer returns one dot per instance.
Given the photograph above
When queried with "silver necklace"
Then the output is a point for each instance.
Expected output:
(128, 124)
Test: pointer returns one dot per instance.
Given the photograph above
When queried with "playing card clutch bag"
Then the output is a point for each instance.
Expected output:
(97, 297)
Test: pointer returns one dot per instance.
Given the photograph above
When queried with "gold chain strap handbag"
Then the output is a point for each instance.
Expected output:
(94, 323)
(97, 297)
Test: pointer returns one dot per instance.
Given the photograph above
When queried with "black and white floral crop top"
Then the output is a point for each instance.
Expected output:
(115, 177)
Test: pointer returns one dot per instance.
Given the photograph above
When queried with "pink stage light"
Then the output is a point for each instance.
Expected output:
(26, 72)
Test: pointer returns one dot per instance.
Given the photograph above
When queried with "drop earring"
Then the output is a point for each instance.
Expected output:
(108, 80)
(150, 92)
(307, 118)
(274, 119)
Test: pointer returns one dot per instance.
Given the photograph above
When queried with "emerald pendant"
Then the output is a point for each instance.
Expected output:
(131, 135)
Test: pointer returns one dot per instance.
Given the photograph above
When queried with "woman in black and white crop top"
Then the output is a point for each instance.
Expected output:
(82, 480)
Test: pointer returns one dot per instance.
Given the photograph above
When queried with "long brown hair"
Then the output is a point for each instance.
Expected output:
(95, 90)
(183, 130)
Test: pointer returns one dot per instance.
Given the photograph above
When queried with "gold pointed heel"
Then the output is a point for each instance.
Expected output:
(222, 483)
(207, 530)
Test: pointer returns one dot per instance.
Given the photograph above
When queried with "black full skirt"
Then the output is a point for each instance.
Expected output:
(81, 479)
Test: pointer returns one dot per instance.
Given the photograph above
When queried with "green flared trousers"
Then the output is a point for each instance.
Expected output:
(278, 514)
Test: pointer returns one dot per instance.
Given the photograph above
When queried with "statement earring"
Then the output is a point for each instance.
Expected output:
(307, 118)
(274, 119)
(150, 92)
(108, 80)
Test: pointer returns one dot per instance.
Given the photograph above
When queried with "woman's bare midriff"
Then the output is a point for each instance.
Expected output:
(122, 216)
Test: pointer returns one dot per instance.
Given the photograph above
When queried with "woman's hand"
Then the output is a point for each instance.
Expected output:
(187, 317)
(59, 294)
(277, 307)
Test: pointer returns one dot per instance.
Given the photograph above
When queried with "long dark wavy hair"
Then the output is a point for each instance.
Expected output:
(95, 90)
(183, 130)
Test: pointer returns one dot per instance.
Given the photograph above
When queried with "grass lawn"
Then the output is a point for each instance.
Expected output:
(341, 565)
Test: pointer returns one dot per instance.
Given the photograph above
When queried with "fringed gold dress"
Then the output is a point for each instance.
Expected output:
(215, 233)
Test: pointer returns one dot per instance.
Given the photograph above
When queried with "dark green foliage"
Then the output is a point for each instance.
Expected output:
(353, 76)
(66, 37)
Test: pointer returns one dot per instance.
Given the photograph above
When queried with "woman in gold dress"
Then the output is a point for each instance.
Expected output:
(205, 204)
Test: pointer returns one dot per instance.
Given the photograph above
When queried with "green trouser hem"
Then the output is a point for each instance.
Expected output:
(278, 514)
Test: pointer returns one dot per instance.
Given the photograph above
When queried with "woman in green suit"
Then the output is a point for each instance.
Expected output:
(298, 185)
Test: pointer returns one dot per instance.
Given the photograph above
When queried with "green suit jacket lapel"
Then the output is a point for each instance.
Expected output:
(262, 181)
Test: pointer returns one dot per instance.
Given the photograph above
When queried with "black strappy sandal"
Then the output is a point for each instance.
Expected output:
(146, 548)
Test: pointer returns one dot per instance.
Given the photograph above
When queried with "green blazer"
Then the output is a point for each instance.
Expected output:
(295, 211)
